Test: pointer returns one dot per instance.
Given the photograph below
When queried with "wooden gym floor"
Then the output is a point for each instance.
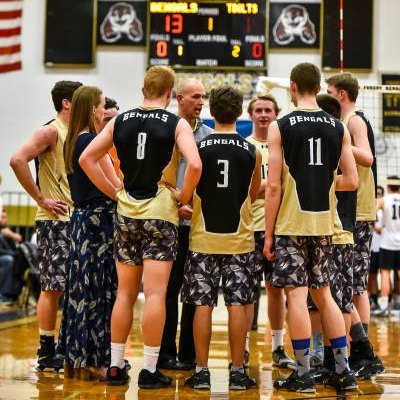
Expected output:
(18, 379)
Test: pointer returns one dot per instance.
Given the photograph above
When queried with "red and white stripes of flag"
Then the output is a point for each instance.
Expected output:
(10, 35)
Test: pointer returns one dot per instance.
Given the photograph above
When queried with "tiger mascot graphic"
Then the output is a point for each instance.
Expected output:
(121, 20)
(294, 21)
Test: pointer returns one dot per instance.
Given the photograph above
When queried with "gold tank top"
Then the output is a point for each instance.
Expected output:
(52, 177)
(259, 204)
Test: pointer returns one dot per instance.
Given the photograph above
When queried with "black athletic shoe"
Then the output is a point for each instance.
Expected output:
(199, 380)
(321, 374)
(169, 362)
(363, 360)
(365, 369)
(46, 356)
(296, 383)
(153, 380)
(240, 380)
(128, 365)
(117, 376)
(281, 359)
(344, 381)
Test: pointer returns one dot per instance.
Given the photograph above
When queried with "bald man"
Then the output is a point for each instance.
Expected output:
(190, 97)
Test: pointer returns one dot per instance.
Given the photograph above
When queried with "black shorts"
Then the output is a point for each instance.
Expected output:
(374, 264)
(389, 259)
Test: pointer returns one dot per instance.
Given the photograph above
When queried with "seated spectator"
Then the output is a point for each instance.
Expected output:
(9, 240)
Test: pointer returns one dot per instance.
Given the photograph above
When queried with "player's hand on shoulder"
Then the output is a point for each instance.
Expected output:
(56, 207)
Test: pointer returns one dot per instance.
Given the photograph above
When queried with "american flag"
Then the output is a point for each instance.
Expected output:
(10, 35)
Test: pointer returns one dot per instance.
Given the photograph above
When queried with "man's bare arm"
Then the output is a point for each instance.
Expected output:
(273, 188)
(44, 138)
(348, 180)
(361, 148)
(91, 156)
(256, 179)
(187, 145)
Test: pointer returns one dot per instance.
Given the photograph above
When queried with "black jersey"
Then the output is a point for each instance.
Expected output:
(346, 222)
(222, 221)
(145, 142)
(311, 146)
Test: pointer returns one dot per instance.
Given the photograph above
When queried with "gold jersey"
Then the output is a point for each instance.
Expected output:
(259, 204)
(52, 177)
(367, 180)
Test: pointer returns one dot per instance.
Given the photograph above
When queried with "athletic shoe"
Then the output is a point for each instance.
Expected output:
(382, 312)
(153, 380)
(395, 309)
(281, 359)
(117, 376)
(320, 374)
(128, 365)
(296, 383)
(237, 380)
(315, 359)
(365, 369)
(199, 380)
(47, 361)
(374, 308)
(169, 362)
(344, 381)
(363, 360)
(250, 382)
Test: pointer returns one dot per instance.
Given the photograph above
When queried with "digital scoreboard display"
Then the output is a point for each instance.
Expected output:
(207, 34)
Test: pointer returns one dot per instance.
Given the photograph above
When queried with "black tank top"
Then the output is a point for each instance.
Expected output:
(145, 140)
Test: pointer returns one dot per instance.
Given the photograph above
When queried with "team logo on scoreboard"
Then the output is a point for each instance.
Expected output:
(121, 21)
(294, 21)
(294, 24)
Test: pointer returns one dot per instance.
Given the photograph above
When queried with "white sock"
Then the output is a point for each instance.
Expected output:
(150, 357)
(247, 343)
(383, 302)
(277, 338)
(117, 355)
(42, 332)
(198, 369)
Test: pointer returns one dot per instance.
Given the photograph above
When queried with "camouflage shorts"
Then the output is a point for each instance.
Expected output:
(302, 261)
(53, 242)
(341, 276)
(138, 239)
(263, 266)
(362, 255)
(203, 273)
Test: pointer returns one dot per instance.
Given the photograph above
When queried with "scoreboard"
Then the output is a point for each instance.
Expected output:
(208, 34)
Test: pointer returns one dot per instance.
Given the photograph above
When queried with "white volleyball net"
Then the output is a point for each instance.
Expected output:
(380, 104)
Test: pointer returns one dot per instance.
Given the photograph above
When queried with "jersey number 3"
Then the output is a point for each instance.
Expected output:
(224, 172)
